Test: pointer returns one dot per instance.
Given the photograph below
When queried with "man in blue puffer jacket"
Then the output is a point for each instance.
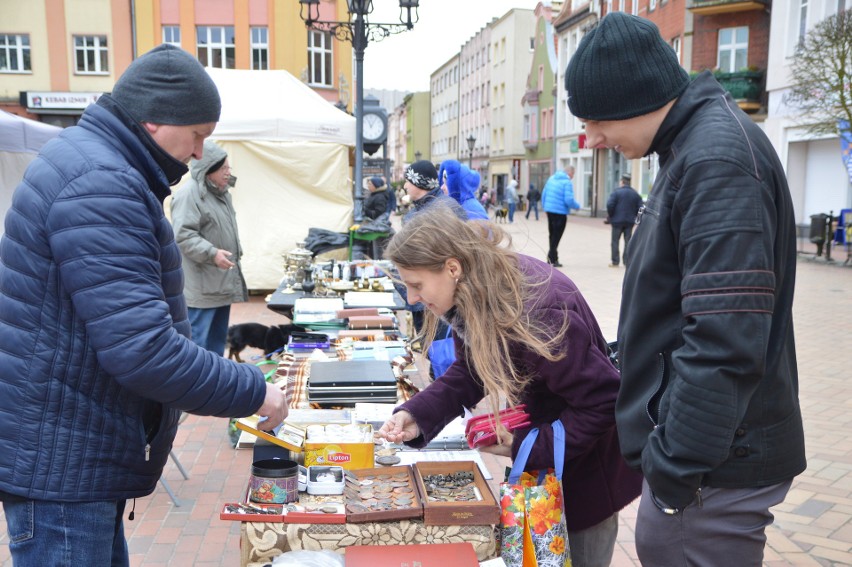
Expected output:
(94, 349)
(557, 200)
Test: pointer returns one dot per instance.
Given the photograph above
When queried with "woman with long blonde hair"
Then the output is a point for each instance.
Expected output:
(524, 335)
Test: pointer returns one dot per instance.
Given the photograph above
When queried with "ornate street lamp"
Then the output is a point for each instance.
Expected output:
(358, 30)
(471, 142)
(417, 155)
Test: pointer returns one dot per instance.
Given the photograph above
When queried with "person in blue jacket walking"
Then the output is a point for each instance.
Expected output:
(94, 336)
(557, 201)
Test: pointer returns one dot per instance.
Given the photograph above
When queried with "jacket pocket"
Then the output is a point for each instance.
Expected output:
(655, 403)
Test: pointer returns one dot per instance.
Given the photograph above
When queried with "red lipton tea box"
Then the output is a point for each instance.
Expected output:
(348, 446)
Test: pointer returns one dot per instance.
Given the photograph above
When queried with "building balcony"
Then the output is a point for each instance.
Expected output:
(746, 88)
(713, 7)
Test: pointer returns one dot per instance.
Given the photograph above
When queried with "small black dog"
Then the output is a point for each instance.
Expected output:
(270, 339)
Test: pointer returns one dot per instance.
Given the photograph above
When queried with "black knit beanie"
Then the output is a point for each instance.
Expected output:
(167, 85)
(422, 174)
(622, 68)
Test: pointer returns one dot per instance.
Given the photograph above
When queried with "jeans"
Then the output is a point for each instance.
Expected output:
(210, 327)
(533, 205)
(66, 534)
(593, 547)
(727, 527)
(555, 229)
(617, 231)
(512, 212)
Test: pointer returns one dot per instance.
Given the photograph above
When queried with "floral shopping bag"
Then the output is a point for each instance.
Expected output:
(532, 519)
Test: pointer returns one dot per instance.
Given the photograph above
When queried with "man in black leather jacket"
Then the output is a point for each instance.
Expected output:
(708, 406)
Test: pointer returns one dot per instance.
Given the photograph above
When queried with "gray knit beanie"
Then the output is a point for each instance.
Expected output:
(167, 85)
(622, 68)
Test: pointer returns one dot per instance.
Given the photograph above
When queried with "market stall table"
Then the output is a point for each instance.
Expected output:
(260, 542)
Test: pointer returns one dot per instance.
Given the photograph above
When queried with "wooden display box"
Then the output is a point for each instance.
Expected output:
(414, 510)
(482, 512)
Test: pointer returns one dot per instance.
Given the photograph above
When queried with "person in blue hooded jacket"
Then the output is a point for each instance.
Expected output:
(94, 335)
(462, 183)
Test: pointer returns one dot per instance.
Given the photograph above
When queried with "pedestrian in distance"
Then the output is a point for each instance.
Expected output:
(378, 202)
(708, 408)
(94, 336)
(522, 333)
(205, 225)
(622, 207)
(511, 197)
(557, 201)
(533, 197)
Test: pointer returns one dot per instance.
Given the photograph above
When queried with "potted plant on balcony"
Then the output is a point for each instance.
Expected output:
(745, 84)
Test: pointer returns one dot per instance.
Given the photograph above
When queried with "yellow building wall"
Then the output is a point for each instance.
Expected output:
(23, 18)
(288, 38)
(89, 17)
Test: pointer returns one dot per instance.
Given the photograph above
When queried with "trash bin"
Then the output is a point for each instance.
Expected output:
(819, 228)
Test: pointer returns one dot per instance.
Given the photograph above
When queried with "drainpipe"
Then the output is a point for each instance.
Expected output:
(133, 27)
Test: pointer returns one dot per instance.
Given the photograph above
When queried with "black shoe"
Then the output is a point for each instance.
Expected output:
(556, 265)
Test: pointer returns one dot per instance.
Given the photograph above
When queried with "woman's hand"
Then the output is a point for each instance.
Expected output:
(503, 447)
(400, 428)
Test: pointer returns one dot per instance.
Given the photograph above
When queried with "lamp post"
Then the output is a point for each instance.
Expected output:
(359, 31)
(417, 155)
(471, 141)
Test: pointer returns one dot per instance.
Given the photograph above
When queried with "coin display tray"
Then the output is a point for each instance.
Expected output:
(456, 513)
(379, 494)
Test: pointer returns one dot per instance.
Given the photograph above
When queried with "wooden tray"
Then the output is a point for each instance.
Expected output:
(479, 513)
(415, 510)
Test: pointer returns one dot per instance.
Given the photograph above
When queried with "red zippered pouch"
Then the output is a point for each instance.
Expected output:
(480, 430)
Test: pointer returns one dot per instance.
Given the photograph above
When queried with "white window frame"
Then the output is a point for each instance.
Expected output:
(259, 48)
(325, 53)
(734, 47)
(802, 28)
(17, 50)
(171, 35)
(95, 46)
(209, 48)
(652, 5)
(677, 46)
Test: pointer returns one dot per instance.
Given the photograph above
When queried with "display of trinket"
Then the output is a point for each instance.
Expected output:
(298, 260)
(453, 487)
(455, 493)
(373, 495)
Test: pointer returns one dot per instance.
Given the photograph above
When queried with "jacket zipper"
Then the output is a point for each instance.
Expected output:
(656, 422)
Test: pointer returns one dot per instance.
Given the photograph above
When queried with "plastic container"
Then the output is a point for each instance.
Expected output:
(274, 481)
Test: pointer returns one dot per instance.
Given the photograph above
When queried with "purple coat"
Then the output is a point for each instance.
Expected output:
(580, 389)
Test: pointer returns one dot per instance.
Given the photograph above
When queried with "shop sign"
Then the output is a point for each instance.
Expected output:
(54, 100)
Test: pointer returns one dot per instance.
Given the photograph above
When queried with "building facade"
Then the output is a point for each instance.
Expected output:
(816, 174)
(444, 112)
(60, 55)
(512, 48)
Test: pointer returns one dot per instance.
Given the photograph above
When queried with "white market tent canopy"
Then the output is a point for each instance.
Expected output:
(20, 141)
(289, 148)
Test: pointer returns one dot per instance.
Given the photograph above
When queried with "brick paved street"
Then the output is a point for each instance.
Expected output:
(813, 527)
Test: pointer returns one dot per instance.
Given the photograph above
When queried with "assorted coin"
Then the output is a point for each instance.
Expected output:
(452, 487)
(379, 492)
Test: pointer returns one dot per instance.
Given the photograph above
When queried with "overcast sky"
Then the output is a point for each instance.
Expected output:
(406, 60)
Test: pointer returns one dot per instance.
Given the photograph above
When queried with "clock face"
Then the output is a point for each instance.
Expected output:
(374, 127)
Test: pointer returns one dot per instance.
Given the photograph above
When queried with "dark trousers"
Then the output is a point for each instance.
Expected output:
(728, 527)
(617, 231)
(533, 205)
(555, 228)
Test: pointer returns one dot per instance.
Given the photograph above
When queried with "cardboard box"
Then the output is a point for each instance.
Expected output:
(475, 513)
(350, 456)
